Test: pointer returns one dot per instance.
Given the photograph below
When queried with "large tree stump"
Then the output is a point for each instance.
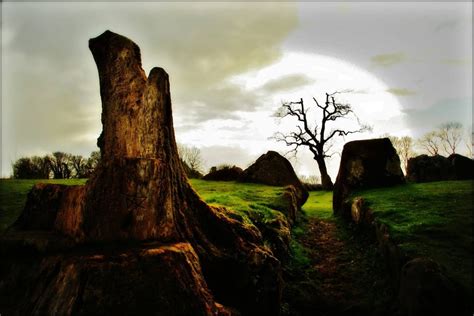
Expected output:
(139, 193)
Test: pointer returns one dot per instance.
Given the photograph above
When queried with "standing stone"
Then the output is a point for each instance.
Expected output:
(426, 168)
(462, 166)
(138, 198)
(365, 164)
(274, 169)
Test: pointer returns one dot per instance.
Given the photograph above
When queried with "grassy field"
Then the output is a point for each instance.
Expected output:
(257, 201)
(13, 196)
(430, 219)
(319, 205)
(253, 200)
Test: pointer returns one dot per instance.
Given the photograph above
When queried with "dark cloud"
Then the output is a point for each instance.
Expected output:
(51, 95)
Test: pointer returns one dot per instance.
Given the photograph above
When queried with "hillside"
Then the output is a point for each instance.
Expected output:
(431, 220)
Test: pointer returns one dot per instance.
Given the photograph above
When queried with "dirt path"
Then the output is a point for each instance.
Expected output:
(344, 276)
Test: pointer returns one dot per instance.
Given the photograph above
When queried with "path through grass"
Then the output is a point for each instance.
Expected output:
(335, 270)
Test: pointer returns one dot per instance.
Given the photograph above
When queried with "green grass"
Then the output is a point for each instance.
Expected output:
(13, 196)
(319, 204)
(430, 219)
(257, 201)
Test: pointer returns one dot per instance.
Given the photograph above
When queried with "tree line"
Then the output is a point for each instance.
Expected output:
(447, 139)
(61, 165)
(318, 131)
(58, 165)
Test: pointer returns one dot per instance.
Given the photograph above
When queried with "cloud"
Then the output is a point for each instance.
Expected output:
(401, 92)
(442, 111)
(51, 88)
(386, 60)
(286, 83)
(456, 61)
(446, 25)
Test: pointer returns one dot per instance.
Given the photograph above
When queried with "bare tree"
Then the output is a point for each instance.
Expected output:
(404, 147)
(60, 165)
(79, 165)
(32, 168)
(316, 138)
(406, 150)
(431, 142)
(469, 142)
(191, 156)
(450, 135)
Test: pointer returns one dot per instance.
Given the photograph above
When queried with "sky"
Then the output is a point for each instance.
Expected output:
(231, 65)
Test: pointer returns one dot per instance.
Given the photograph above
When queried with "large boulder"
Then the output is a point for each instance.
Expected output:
(463, 167)
(365, 164)
(226, 173)
(138, 194)
(274, 169)
(426, 168)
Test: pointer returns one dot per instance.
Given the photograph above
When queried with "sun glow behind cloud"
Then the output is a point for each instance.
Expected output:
(231, 65)
(369, 96)
(315, 76)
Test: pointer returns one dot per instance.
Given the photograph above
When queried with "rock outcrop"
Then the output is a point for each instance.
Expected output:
(138, 195)
(365, 164)
(233, 173)
(426, 168)
(274, 169)
(462, 166)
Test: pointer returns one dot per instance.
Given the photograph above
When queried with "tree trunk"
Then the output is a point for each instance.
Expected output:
(139, 192)
(325, 178)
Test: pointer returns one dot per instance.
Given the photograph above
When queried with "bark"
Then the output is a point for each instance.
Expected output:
(326, 181)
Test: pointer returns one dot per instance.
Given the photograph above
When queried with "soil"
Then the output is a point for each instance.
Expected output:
(344, 275)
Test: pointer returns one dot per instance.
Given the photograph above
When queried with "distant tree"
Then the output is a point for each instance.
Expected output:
(191, 156)
(431, 143)
(314, 134)
(94, 159)
(23, 169)
(450, 135)
(404, 147)
(60, 163)
(469, 142)
(42, 167)
(31, 168)
(79, 166)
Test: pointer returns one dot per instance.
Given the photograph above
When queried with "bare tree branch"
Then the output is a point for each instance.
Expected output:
(315, 139)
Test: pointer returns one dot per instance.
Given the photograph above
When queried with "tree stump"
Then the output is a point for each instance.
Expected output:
(137, 224)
